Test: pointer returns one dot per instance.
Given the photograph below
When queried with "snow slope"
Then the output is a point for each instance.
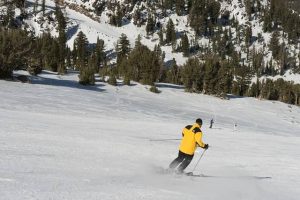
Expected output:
(59, 140)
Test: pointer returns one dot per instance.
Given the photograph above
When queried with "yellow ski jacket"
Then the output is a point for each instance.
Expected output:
(192, 136)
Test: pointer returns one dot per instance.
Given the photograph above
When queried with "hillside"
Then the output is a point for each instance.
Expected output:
(249, 48)
(60, 140)
(240, 47)
(93, 18)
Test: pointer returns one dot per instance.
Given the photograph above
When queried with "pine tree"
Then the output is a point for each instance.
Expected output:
(254, 90)
(62, 39)
(113, 20)
(15, 51)
(137, 18)
(225, 78)
(99, 54)
(35, 5)
(86, 75)
(243, 79)
(43, 6)
(173, 75)
(81, 44)
(236, 58)
(126, 81)
(248, 36)
(46, 45)
(297, 94)
(198, 17)
(170, 32)
(92, 63)
(168, 4)
(212, 66)
(248, 6)
(123, 47)
(192, 74)
(257, 62)
(150, 25)
(214, 11)
(74, 56)
(161, 36)
(99, 7)
(123, 50)
(138, 42)
(180, 7)
(258, 5)
(221, 44)
(283, 58)
(200, 25)
(119, 16)
(112, 78)
(145, 65)
(9, 17)
(274, 44)
(267, 88)
(68, 58)
(189, 4)
(267, 21)
(53, 59)
(185, 45)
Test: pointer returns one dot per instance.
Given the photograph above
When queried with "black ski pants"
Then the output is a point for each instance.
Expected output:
(182, 161)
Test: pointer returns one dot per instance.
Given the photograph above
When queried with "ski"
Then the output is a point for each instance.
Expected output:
(196, 175)
(226, 177)
(189, 173)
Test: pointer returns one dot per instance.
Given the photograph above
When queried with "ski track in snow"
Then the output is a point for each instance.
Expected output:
(59, 140)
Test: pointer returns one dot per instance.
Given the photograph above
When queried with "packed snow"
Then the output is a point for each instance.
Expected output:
(60, 140)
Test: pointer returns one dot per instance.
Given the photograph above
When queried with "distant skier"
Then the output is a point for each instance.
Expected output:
(234, 126)
(211, 123)
(192, 137)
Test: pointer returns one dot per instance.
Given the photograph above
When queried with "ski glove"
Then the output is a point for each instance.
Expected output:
(206, 146)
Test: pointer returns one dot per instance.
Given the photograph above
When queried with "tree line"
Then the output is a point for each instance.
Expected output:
(216, 71)
(219, 77)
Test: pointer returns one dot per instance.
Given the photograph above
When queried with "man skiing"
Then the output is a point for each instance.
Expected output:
(192, 137)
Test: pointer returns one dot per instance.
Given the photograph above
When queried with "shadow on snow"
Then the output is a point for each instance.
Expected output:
(65, 83)
(72, 31)
(168, 85)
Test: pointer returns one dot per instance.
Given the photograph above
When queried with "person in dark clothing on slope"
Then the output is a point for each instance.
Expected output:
(211, 123)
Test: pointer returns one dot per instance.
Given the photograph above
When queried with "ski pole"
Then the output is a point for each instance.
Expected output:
(199, 160)
(163, 139)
